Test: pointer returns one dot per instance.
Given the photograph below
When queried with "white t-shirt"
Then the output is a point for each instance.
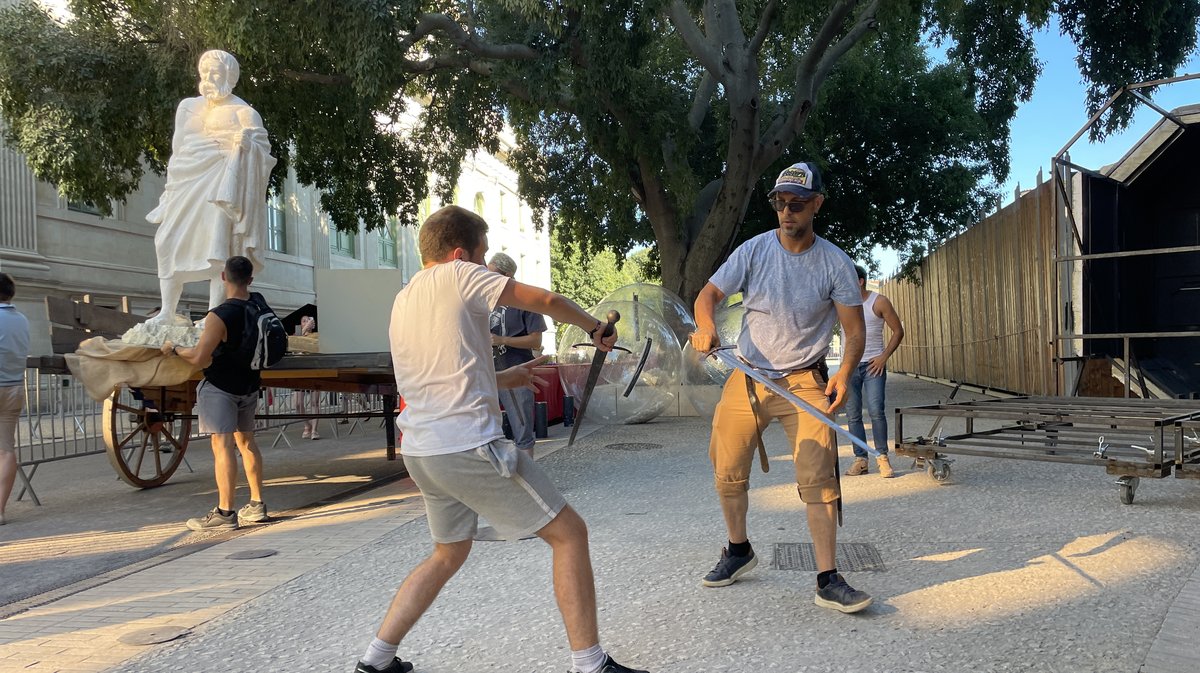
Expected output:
(442, 357)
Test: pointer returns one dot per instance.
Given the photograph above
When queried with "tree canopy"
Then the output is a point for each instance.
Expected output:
(636, 120)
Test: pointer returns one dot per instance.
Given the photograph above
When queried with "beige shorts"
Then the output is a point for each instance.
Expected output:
(12, 400)
(460, 487)
(814, 445)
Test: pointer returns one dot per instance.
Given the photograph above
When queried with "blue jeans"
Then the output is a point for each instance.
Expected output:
(861, 381)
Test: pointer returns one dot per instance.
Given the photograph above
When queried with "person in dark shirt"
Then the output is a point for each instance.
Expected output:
(515, 333)
(226, 400)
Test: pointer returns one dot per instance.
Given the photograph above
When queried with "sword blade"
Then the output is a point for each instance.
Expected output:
(727, 356)
(594, 373)
(593, 377)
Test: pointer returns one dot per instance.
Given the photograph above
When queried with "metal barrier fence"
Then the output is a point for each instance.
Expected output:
(61, 421)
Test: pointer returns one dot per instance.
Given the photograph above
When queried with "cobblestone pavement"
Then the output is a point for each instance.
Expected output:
(1010, 566)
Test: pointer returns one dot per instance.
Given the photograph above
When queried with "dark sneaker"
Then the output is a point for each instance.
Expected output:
(396, 666)
(729, 569)
(842, 597)
(859, 466)
(252, 512)
(214, 521)
(611, 666)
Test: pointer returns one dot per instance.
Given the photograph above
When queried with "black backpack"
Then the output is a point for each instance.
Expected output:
(264, 338)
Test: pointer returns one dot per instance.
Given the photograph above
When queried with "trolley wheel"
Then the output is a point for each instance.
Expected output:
(1128, 486)
(144, 448)
(940, 472)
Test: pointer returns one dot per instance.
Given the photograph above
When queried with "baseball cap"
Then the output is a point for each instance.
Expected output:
(802, 179)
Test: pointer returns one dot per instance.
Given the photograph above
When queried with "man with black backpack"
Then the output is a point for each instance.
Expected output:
(237, 341)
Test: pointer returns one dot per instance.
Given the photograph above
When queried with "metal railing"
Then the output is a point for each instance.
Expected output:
(61, 421)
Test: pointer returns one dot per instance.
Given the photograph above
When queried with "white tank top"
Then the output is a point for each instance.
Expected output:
(874, 328)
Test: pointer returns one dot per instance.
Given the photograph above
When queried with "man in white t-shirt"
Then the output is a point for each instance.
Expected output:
(454, 446)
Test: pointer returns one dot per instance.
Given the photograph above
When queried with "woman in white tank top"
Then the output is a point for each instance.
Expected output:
(869, 381)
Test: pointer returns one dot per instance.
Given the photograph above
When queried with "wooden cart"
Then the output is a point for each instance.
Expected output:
(146, 431)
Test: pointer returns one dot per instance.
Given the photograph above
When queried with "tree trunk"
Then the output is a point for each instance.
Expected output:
(687, 272)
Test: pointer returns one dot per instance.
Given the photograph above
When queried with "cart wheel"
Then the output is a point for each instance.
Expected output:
(1128, 486)
(144, 452)
(940, 472)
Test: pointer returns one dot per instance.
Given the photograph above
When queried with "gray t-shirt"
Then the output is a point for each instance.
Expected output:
(789, 299)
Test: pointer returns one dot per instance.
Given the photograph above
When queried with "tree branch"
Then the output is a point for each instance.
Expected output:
(694, 39)
(866, 21)
(700, 104)
(818, 61)
(829, 30)
(764, 27)
(448, 62)
(453, 31)
(316, 77)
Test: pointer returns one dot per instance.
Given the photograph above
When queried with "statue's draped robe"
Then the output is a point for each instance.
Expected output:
(214, 205)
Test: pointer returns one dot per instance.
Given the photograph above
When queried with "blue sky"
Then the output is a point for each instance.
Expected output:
(1057, 110)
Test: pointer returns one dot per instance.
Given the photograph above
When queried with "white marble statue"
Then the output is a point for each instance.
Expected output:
(214, 204)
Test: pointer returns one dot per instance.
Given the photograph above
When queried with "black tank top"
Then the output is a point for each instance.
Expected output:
(230, 370)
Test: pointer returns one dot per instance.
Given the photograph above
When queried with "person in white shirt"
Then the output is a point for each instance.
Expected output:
(869, 378)
(454, 446)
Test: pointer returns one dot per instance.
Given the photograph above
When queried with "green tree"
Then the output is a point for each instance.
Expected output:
(587, 279)
(637, 120)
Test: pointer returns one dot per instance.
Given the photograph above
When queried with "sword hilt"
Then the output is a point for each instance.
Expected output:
(613, 317)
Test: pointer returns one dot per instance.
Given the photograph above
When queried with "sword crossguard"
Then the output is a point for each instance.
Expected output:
(613, 317)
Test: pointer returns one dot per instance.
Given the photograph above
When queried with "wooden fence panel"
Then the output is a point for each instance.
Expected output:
(984, 311)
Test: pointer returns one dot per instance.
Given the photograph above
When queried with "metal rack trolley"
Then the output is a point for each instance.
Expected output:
(1187, 449)
(1131, 438)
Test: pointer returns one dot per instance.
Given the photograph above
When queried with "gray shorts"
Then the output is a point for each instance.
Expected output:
(224, 413)
(460, 487)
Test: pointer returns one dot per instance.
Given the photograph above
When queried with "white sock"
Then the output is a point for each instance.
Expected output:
(379, 654)
(589, 660)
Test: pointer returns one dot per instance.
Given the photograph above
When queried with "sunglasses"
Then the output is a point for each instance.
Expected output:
(794, 206)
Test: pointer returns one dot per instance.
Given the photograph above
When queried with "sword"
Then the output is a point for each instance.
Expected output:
(725, 355)
(593, 374)
(638, 372)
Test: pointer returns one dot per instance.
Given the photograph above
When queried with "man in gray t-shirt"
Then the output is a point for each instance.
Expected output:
(794, 286)
(515, 333)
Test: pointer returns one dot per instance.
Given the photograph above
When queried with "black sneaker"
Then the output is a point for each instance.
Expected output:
(611, 666)
(396, 666)
(729, 569)
(841, 596)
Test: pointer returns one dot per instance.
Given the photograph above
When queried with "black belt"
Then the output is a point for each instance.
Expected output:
(762, 448)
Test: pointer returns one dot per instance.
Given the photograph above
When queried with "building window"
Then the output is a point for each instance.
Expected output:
(342, 243)
(83, 207)
(387, 243)
(503, 217)
(276, 224)
(479, 203)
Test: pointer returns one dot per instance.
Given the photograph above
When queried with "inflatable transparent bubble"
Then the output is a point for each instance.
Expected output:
(662, 301)
(657, 385)
(705, 376)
